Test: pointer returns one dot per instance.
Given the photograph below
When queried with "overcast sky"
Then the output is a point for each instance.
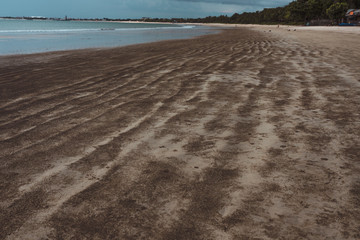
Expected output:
(132, 8)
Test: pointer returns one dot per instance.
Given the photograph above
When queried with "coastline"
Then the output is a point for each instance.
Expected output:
(277, 29)
(242, 134)
(63, 35)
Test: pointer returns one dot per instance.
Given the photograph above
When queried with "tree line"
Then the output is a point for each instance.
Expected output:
(296, 12)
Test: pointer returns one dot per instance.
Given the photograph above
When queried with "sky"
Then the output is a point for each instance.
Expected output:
(133, 8)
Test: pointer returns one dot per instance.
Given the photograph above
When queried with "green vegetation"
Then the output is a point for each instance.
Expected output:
(297, 12)
(336, 11)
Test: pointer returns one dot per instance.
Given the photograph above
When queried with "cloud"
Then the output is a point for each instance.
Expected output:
(253, 3)
(133, 8)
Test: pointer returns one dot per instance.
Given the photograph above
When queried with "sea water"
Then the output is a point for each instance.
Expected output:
(33, 36)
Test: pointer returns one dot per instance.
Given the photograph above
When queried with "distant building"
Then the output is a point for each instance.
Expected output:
(353, 16)
(35, 18)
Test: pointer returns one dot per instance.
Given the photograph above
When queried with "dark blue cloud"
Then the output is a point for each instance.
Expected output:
(255, 3)
(132, 8)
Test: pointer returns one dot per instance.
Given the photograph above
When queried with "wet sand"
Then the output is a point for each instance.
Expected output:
(247, 134)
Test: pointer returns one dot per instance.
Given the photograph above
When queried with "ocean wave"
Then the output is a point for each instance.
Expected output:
(91, 29)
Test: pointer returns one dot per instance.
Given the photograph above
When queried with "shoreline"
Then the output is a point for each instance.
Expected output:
(54, 41)
(274, 28)
(39, 55)
(242, 134)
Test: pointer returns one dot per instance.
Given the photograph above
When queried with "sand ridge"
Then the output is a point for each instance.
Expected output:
(247, 134)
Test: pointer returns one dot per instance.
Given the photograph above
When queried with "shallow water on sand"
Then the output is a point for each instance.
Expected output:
(24, 36)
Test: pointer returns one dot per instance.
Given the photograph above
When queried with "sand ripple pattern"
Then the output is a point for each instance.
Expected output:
(240, 135)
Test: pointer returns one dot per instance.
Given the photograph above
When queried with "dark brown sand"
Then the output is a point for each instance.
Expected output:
(240, 135)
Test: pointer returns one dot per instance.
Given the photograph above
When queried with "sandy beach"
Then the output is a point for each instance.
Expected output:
(253, 133)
